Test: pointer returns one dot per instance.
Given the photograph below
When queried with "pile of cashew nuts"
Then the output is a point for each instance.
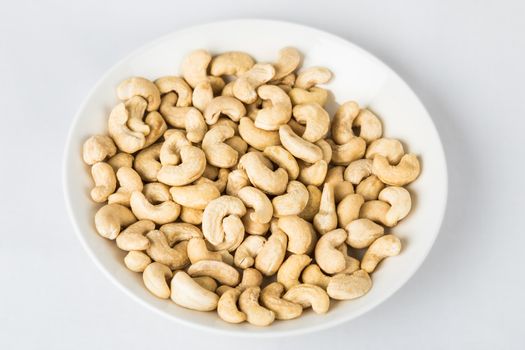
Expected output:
(232, 189)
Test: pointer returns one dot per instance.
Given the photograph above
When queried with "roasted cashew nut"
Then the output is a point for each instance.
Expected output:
(326, 219)
(312, 76)
(370, 187)
(198, 251)
(396, 175)
(299, 147)
(271, 256)
(120, 160)
(356, 171)
(133, 237)
(217, 152)
(308, 295)
(342, 188)
(97, 148)
(283, 159)
(147, 162)
(231, 63)
(312, 206)
(213, 225)
(369, 125)
(279, 110)
(250, 278)
(316, 119)
(391, 149)
(105, 181)
(383, 247)
(191, 168)
(313, 95)
(227, 307)
(237, 179)
(255, 137)
(129, 181)
(137, 261)
(194, 67)
(177, 85)
(218, 270)
(376, 211)
(126, 139)
(312, 274)
(346, 153)
(362, 232)
(188, 118)
(248, 250)
(195, 196)
(174, 140)
(255, 313)
(246, 84)
(400, 203)
(160, 251)
(138, 86)
(291, 203)
(187, 293)
(347, 287)
(287, 62)
(160, 213)
(111, 218)
(262, 177)
(156, 278)
(179, 231)
(329, 259)
(253, 227)
(256, 199)
(224, 105)
(290, 271)
(343, 121)
(301, 235)
(283, 309)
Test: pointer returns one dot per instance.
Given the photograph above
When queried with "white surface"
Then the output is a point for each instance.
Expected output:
(373, 85)
(464, 60)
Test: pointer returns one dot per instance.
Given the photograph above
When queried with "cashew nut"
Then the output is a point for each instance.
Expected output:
(271, 256)
(256, 199)
(308, 295)
(326, 219)
(157, 127)
(191, 168)
(250, 278)
(396, 175)
(301, 234)
(253, 227)
(217, 152)
(160, 213)
(291, 269)
(217, 270)
(231, 63)
(346, 287)
(362, 232)
(224, 105)
(352, 264)
(278, 113)
(120, 160)
(194, 67)
(156, 277)
(238, 144)
(246, 84)
(299, 147)
(313, 95)
(174, 140)
(376, 211)
(283, 309)
(191, 216)
(213, 225)
(189, 118)
(369, 125)
(312, 76)
(248, 250)
(133, 237)
(105, 181)
(342, 188)
(326, 148)
(343, 121)
(291, 203)
(316, 119)
(283, 159)
(195, 196)
(137, 261)
(136, 107)
(287, 62)
(97, 148)
(202, 95)
(156, 192)
(138, 86)
(255, 137)
(198, 251)
(160, 251)
(147, 162)
(126, 139)
(356, 171)
(346, 153)
(227, 306)
(237, 179)
(206, 283)
(262, 177)
(348, 209)
(179, 231)
(312, 274)
(129, 181)
(327, 256)
(255, 313)
(111, 218)
(219, 183)
(187, 293)
(391, 149)
(383, 247)
(369, 188)
(179, 86)
(400, 203)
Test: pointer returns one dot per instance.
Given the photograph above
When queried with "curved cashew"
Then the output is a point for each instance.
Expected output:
(198, 251)
(391, 149)
(329, 259)
(133, 237)
(342, 188)
(238, 144)
(250, 278)
(224, 105)
(191, 168)
(179, 86)
(271, 256)
(255, 137)
(370, 127)
(362, 232)
(105, 181)
(256, 199)
(136, 261)
(255, 313)
(248, 250)
(312, 76)
(262, 177)
(316, 119)
(299, 147)
(287, 62)
(237, 179)
(283, 309)
(312, 206)
(291, 203)
(156, 277)
(187, 293)
(97, 148)
(160, 251)
(136, 107)
(400, 203)
(191, 216)
(326, 148)
(126, 139)
(348, 209)
(356, 171)
(279, 112)
(301, 235)
(369, 188)
(217, 152)
(160, 214)
(396, 175)
(291, 269)
(138, 86)
(231, 63)
(227, 307)
(326, 219)
(313, 174)
(179, 231)
(129, 181)
(189, 118)
(206, 283)
(376, 211)
(174, 140)
(245, 86)
(343, 121)
(195, 196)
(212, 220)
(147, 162)
(156, 192)
(111, 218)
(217, 270)
(283, 159)
(346, 287)
(346, 153)
(385, 246)
(308, 295)
(253, 227)
(194, 67)
(202, 95)
(157, 126)
(312, 274)
(120, 160)
(313, 95)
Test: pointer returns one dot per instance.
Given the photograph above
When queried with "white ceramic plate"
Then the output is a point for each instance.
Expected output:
(357, 76)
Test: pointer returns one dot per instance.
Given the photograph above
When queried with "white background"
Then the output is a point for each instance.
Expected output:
(464, 59)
